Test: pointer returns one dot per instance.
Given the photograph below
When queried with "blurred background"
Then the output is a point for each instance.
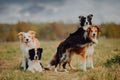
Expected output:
(55, 19)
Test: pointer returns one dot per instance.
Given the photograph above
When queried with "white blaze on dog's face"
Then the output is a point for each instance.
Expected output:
(27, 37)
(93, 32)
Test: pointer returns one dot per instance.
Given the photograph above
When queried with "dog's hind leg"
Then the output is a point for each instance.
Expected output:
(56, 67)
(56, 64)
(71, 67)
(83, 66)
(64, 66)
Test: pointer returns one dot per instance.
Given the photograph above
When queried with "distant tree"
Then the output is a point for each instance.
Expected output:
(110, 30)
(22, 26)
(59, 29)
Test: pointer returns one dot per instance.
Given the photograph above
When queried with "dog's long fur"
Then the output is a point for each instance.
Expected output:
(27, 41)
(76, 38)
(34, 61)
(85, 52)
(80, 39)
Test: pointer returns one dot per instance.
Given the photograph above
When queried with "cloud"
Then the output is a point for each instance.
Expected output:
(56, 10)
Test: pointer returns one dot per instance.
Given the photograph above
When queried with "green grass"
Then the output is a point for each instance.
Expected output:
(11, 56)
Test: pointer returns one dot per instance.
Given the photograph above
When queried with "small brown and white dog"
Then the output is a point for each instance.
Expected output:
(85, 51)
(27, 42)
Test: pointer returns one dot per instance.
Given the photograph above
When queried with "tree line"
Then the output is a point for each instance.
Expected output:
(51, 31)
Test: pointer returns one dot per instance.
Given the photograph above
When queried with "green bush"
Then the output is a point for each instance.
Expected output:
(112, 61)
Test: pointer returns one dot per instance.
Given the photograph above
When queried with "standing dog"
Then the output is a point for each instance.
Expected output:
(77, 38)
(27, 41)
(85, 51)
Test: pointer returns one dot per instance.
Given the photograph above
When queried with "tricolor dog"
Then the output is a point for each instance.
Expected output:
(79, 37)
(84, 51)
(27, 42)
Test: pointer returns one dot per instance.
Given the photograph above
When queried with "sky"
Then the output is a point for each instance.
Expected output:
(12, 11)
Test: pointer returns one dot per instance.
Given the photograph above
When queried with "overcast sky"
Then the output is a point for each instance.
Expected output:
(12, 11)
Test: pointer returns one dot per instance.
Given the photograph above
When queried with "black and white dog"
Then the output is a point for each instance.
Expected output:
(79, 37)
(34, 61)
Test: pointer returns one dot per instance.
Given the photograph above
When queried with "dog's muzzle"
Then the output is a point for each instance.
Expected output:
(36, 57)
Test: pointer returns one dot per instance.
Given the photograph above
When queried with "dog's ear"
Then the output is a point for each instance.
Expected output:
(31, 54)
(82, 20)
(89, 18)
(20, 34)
(98, 28)
(40, 50)
(90, 15)
(80, 17)
(31, 51)
(88, 29)
(33, 33)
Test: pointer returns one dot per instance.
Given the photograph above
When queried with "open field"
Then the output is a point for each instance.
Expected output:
(10, 60)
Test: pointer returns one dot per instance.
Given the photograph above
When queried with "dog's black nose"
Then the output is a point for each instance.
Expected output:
(26, 39)
(94, 35)
(36, 57)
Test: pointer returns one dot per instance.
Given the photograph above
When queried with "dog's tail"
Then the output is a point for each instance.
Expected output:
(44, 67)
(48, 69)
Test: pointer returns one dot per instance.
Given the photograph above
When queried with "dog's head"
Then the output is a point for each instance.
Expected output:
(93, 32)
(35, 54)
(25, 37)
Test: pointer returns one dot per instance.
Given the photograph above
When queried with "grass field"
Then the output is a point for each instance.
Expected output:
(10, 60)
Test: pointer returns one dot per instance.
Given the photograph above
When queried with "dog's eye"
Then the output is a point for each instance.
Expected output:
(24, 37)
(29, 36)
(95, 30)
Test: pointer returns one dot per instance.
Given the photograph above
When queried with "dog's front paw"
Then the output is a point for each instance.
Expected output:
(56, 70)
(40, 70)
(66, 70)
(31, 70)
(92, 67)
(83, 68)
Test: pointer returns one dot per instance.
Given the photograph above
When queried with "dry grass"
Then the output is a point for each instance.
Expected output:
(10, 60)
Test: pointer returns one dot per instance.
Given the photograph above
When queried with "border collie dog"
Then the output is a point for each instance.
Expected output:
(84, 51)
(79, 37)
(34, 61)
(27, 41)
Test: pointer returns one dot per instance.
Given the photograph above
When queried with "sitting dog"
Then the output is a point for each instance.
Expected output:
(77, 38)
(34, 63)
(27, 41)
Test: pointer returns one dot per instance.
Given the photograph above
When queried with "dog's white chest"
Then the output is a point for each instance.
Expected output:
(24, 50)
(34, 66)
(90, 50)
